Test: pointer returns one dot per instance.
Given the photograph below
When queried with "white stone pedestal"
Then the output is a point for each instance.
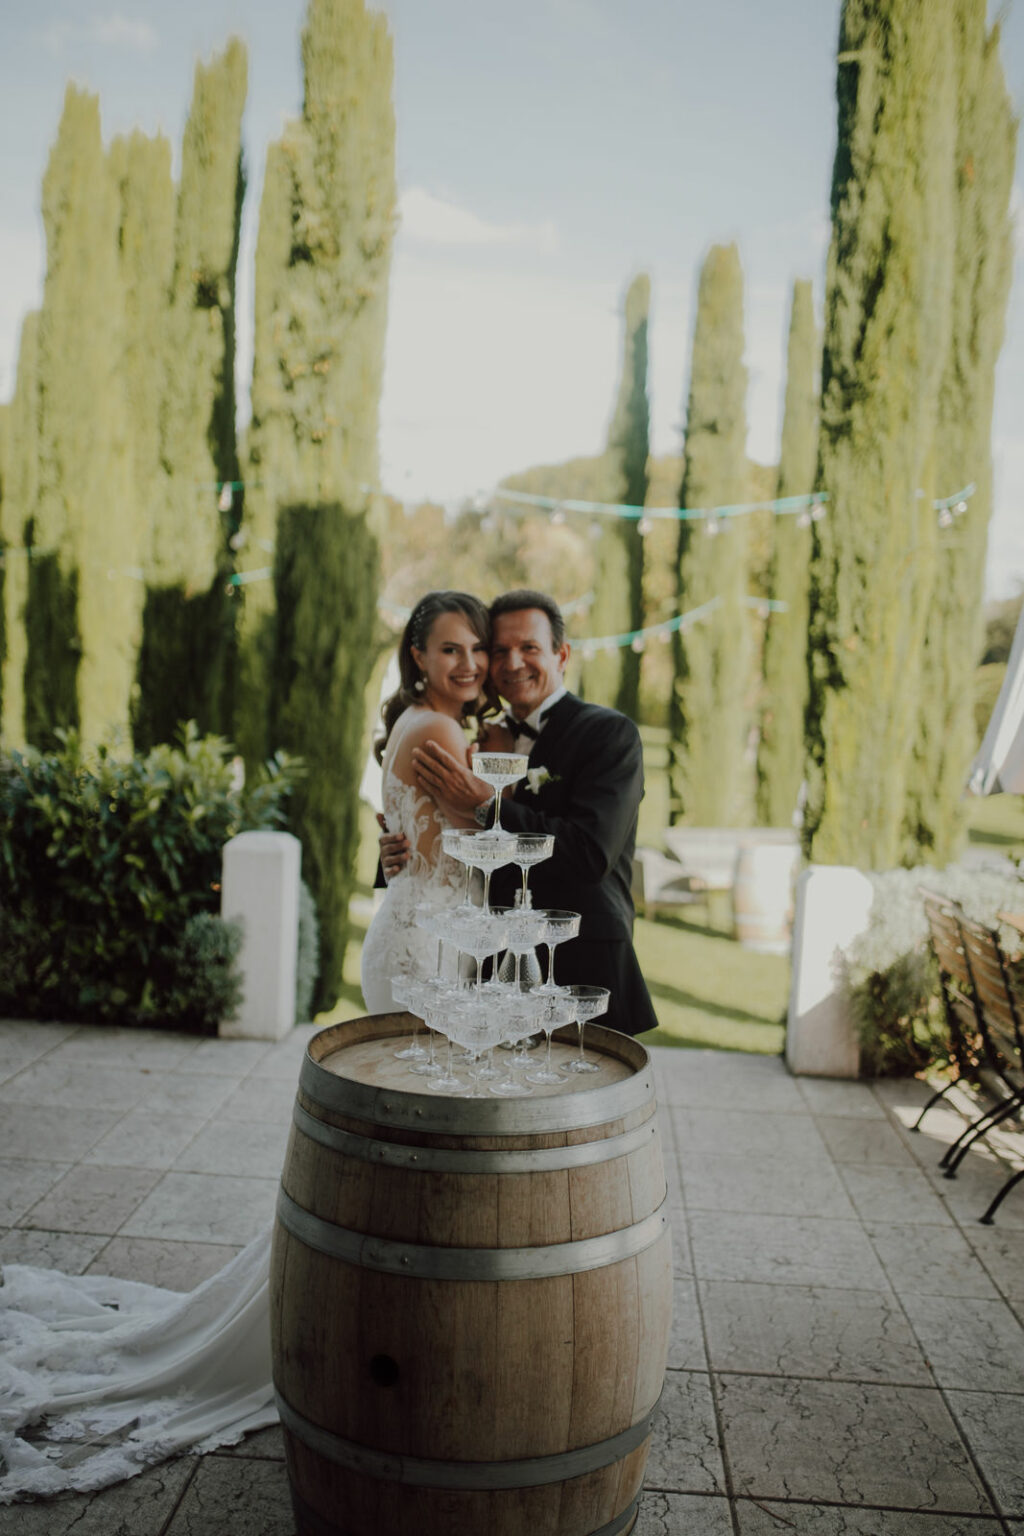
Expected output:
(833, 904)
(260, 885)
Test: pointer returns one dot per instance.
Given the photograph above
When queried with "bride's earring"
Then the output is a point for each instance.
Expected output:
(420, 685)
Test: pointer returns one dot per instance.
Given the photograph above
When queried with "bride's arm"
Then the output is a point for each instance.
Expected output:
(440, 730)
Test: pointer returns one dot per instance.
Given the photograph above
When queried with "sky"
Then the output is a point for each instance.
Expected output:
(546, 152)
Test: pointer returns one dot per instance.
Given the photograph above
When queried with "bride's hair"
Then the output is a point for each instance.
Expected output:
(416, 634)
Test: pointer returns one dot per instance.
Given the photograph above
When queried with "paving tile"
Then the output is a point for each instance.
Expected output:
(76, 1085)
(784, 1250)
(746, 1131)
(686, 1340)
(840, 1096)
(978, 1180)
(776, 1519)
(1001, 1251)
(226, 1058)
(225, 1495)
(723, 1181)
(157, 1261)
(846, 1443)
(850, 1140)
(810, 1331)
(970, 1344)
(139, 1507)
(881, 1192)
(153, 1049)
(185, 1093)
(71, 1252)
(993, 1426)
(145, 1139)
(936, 1261)
(730, 1079)
(204, 1208)
(91, 1199)
(269, 1099)
(284, 1058)
(683, 1514)
(40, 1131)
(23, 1182)
(261, 1445)
(248, 1149)
(685, 1455)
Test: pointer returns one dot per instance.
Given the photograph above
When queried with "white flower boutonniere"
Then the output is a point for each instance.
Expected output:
(536, 778)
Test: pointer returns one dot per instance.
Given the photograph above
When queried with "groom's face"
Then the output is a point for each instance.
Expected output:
(525, 664)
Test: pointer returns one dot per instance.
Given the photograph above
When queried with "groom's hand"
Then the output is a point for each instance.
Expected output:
(448, 779)
(394, 849)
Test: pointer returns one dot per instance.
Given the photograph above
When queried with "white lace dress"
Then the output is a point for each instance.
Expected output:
(394, 945)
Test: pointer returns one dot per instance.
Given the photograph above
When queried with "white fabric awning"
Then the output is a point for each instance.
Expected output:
(999, 766)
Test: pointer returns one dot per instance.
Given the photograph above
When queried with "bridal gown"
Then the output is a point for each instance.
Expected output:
(99, 1377)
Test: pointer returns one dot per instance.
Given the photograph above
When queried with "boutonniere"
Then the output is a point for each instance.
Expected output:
(536, 778)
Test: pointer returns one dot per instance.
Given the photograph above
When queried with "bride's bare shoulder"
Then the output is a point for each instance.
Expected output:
(423, 726)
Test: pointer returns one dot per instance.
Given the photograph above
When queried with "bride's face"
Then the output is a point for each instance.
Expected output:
(454, 662)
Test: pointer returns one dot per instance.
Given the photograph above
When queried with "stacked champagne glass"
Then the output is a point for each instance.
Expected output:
(511, 1009)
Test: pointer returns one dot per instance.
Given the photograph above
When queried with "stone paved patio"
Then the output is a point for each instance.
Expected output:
(847, 1354)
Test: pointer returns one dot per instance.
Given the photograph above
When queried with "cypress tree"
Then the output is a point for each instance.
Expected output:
(184, 660)
(709, 711)
(321, 309)
(985, 157)
(614, 677)
(887, 325)
(82, 603)
(17, 508)
(780, 757)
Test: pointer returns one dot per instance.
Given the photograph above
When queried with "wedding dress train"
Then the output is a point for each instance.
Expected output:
(100, 1378)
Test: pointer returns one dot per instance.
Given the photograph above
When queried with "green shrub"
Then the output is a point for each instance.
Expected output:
(106, 862)
(892, 976)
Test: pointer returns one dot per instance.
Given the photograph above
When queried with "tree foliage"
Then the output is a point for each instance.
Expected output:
(710, 709)
(780, 757)
(613, 677)
(887, 327)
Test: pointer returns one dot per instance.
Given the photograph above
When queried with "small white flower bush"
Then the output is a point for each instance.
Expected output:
(890, 971)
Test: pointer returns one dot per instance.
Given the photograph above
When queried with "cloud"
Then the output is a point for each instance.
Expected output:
(117, 31)
(431, 220)
(111, 31)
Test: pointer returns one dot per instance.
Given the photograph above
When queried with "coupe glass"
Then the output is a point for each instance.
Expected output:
(486, 851)
(558, 927)
(498, 769)
(478, 933)
(452, 841)
(525, 932)
(523, 1019)
(442, 1014)
(531, 848)
(590, 1001)
(559, 1008)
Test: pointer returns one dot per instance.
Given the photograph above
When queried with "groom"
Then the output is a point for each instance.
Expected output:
(585, 785)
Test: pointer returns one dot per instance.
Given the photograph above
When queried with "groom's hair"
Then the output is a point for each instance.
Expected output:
(526, 597)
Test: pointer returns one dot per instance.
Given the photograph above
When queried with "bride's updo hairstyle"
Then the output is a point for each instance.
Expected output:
(416, 634)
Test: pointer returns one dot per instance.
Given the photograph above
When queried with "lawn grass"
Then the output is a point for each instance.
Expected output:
(708, 990)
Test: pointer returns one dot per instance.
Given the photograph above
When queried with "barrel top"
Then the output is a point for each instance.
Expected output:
(351, 1067)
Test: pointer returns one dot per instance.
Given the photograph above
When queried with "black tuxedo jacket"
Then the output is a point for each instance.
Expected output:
(590, 800)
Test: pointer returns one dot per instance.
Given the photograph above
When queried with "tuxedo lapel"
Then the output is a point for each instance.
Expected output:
(547, 749)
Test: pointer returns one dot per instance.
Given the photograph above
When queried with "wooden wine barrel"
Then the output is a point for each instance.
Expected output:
(470, 1297)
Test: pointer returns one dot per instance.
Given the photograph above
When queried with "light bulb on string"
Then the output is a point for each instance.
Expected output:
(644, 526)
(945, 518)
(637, 644)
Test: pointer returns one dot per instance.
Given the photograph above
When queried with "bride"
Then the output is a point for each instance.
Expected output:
(100, 1377)
(443, 660)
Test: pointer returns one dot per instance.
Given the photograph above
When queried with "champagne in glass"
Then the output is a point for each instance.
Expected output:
(498, 769)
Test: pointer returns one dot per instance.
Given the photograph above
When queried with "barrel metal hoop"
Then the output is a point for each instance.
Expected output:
(310, 1523)
(476, 1476)
(469, 1160)
(478, 1264)
(475, 1117)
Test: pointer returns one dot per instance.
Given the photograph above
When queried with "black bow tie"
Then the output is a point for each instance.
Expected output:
(520, 728)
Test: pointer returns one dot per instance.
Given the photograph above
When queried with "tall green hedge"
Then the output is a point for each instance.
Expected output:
(780, 756)
(710, 711)
(945, 737)
(887, 327)
(613, 677)
(20, 489)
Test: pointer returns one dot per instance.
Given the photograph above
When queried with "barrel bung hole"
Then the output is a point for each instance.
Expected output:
(383, 1370)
